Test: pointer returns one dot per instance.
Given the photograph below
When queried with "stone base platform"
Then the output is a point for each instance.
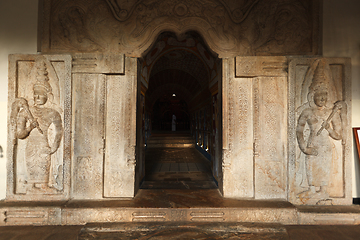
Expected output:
(172, 205)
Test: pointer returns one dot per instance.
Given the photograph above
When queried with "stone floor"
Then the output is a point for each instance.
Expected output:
(180, 231)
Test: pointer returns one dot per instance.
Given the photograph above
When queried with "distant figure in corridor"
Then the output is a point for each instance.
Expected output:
(173, 123)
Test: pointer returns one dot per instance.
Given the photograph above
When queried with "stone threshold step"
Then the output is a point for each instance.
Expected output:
(179, 185)
(167, 205)
(171, 145)
(80, 212)
(75, 215)
(170, 141)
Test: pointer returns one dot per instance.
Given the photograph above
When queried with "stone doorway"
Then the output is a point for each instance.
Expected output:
(178, 108)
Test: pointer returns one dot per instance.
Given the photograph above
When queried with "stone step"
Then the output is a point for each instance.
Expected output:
(171, 141)
(158, 139)
(171, 145)
(179, 185)
(174, 205)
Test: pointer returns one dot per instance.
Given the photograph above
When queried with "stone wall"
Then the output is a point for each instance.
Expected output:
(98, 157)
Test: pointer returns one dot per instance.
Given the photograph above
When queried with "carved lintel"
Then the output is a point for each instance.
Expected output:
(261, 66)
(98, 63)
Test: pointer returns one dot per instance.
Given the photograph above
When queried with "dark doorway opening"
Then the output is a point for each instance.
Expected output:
(180, 85)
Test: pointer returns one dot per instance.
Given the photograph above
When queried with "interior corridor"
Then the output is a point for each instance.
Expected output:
(172, 162)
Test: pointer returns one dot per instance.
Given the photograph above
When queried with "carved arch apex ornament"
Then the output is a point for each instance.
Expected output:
(229, 47)
(122, 10)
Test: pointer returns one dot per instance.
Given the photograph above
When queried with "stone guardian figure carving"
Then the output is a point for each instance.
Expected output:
(42, 128)
(324, 124)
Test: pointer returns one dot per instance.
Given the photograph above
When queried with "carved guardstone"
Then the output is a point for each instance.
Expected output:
(320, 131)
(39, 127)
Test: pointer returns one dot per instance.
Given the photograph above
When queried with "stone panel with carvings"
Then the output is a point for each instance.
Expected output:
(119, 163)
(271, 139)
(320, 131)
(88, 136)
(230, 27)
(39, 127)
(255, 135)
(237, 166)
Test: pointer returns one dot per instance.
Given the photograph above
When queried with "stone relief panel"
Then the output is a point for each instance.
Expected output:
(254, 127)
(237, 162)
(39, 127)
(320, 131)
(119, 162)
(230, 27)
(88, 138)
(264, 117)
(271, 138)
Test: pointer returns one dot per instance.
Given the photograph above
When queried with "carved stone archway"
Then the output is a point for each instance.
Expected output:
(230, 28)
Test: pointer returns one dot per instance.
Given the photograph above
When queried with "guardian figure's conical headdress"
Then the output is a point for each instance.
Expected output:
(42, 79)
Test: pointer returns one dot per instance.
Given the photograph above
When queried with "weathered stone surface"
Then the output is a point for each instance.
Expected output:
(108, 63)
(88, 137)
(40, 232)
(119, 164)
(270, 137)
(319, 131)
(238, 178)
(254, 139)
(275, 127)
(231, 28)
(32, 215)
(180, 230)
(39, 126)
(248, 231)
(173, 206)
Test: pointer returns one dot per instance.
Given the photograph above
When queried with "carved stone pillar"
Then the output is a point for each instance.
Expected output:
(119, 164)
(238, 166)
(104, 126)
(254, 127)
